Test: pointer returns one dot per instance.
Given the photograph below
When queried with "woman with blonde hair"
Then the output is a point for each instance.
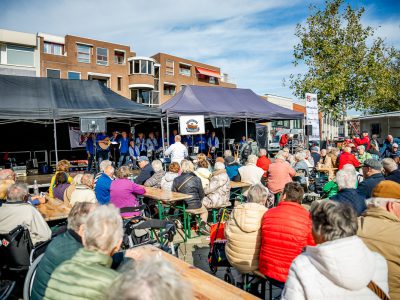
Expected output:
(62, 166)
(203, 173)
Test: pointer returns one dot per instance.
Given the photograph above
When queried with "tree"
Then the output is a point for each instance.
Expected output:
(346, 66)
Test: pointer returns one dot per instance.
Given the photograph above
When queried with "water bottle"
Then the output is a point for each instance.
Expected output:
(35, 188)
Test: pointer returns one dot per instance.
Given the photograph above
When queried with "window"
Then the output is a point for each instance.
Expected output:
(84, 52)
(142, 96)
(182, 86)
(150, 67)
(376, 129)
(184, 70)
(169, 89)
(212, 80)
(53, 73)
(22, 56)
(102, 56)
(74, 75)
(119, 57)
(281, 124)
(143, 67)
(119, 83)
(137, 67)
(53, 48)
(297, 124)
(169, 67)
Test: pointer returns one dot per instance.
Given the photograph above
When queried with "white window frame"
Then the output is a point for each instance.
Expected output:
(118, 50)
(186, 65)
(53, 70)
(33, 53)
(173, 67)
(80, 75)
(170, 84)
(62, 48)
(97, 60)
(90, 53)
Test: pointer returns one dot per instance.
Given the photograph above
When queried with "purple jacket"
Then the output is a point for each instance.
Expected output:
(122, 194)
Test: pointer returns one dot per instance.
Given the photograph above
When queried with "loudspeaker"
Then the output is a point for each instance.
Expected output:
(308, 129)
(94, 125)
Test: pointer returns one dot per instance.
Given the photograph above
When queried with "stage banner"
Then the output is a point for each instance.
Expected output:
(191, 125)
(312, 115)
(75, 138)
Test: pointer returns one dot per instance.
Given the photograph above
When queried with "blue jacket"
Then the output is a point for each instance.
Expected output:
(102, 189)
(365, 188)
(394, 176)
(232, 171)
(351, 197)
(124, 145)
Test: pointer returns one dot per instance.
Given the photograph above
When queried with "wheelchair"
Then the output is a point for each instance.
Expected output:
(17, 254)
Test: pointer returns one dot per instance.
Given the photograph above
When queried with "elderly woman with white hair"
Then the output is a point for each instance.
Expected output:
(250, 173)
(84, 192)
(346, 180)
(301, 168)
(88, 275)
(340, 266)
(243, 230)
(218, 191)
(155, 179)
(362, 154)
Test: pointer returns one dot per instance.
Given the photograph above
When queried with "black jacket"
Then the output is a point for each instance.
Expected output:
(145, 174)
(189, 183)
(353, 198)
(365, 188)
(394, 176)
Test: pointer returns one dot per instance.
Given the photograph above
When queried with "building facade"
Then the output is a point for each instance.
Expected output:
(73, 57)
(19, 53)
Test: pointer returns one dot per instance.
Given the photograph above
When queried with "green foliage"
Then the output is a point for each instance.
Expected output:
(346, 66)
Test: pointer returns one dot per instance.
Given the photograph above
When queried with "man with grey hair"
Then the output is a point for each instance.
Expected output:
(392, 171)
(152, 279)
(341, 266)
(103, 165)
(102, 187)
(16, 211)
(178, 151)
(372, 172)
(250, 173)
(347, 181)
(62, 248)
(7, 179)
(88, 275)
(155, 179)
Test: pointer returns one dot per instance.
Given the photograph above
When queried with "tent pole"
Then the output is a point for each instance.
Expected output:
(167, 130)
(162, 134)
(55, 140)
(247, 136)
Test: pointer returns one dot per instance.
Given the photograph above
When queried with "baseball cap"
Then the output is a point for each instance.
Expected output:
(143, 158)
(374, 164)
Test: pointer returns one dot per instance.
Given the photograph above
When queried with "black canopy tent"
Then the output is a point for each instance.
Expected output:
(225, 102)
(35, 99)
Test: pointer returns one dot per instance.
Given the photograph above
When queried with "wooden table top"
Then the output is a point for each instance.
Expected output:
(204, 285)
(235, 184)
(40, 178)
(53, 209)
(164, 196)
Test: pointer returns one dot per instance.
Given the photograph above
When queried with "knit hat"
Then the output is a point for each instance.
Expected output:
(373, 164)
(387, 189)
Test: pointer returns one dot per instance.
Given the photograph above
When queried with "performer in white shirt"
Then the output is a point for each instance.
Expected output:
(178, 151)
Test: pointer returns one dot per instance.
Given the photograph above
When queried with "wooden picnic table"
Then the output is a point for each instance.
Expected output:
(53, 209)
(240, 184)
(164, 195)
(204, 285)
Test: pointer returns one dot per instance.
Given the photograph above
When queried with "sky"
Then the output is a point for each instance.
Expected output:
(251, 40)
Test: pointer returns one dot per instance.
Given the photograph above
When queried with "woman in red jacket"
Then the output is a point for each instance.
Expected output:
(263, 161)
(285, 231)
(347, 158)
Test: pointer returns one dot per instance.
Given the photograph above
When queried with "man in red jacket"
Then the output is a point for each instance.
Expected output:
(263, 161)
(347, 158)
(365, 141)
(285, 231)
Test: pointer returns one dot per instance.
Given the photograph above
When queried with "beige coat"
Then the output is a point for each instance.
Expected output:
(243, 232)
(82, 193)
(218, 191)
(326, 165)
(204, 175)
(380, 231)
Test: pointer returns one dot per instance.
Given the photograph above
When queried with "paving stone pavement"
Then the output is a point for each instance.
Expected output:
(195, 252)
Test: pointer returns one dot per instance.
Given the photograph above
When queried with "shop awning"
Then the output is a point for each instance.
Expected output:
(208, 72)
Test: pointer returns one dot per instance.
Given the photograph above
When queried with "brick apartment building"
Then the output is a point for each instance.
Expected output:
(147, 80)
(73, 57)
